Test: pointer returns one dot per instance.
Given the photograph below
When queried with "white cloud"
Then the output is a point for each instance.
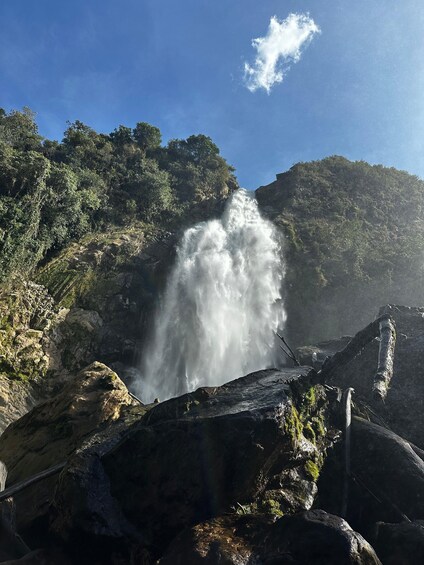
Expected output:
(281, 45)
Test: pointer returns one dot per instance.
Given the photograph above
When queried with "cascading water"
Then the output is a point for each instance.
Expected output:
(221, 306)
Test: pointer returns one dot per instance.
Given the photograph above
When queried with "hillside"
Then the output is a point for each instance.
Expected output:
(254, 470)
(354, 240)
(52, 193)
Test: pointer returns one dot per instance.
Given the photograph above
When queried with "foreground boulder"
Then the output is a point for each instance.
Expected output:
(95, 399)
(311, 537)
(319, 538)
(256, 442)
(400, 543)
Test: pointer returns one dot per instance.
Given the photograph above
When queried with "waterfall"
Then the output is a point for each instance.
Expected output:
(221, 306)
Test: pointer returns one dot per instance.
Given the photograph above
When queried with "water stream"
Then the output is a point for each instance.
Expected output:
(221, 306)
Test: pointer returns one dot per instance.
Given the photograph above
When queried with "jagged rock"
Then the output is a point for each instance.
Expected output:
(227, 540)
(114, 277)
(26, 314)
(317, 538)
(400, 543)
(191, 458)
(403, 408)
(41, 557)
(312, 537)
(389, 472)
(315, 355)
(54, 429)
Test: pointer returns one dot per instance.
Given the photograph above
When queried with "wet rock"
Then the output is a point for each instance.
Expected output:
(315, 355)
(312, 537)
(389, 477)
(318, 538)
(403, 408)
(181, 459)
(400, 543)
(227, 540)
(194, 457)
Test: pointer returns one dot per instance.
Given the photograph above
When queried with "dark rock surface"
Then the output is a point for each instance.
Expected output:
(230, 474)
(311, 537)
(51, 432)
(400, 543)
(319, 538)
(180, 459)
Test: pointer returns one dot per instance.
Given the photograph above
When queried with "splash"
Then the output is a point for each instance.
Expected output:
(221, 306)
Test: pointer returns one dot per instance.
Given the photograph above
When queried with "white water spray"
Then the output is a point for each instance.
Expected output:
(221, 306)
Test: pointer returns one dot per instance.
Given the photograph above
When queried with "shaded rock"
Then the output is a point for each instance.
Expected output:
(318, 538)
(227, 540)
(41, 557)
(389, 477)
(47, 435)
(315, 355)
(85, 516)
(312, 537)
(116, 277)
(194, 457)
(403, 409)
(400, 543)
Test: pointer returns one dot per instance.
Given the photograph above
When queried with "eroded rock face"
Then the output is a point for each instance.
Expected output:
(400, 543)
(108, 284)
(96, 301)
(95, 399)
(311, 537)
(26, 314)
(403, 408)
(319, 538)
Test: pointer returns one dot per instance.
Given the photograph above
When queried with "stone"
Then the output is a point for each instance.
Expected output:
(400, 543)
(53, 430)
(318, 538)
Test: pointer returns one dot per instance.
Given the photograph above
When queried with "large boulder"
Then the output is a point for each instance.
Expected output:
(310, 537)
(257, 442)
(403, 408)
(318, 538)
(94, 400)
(401, 543)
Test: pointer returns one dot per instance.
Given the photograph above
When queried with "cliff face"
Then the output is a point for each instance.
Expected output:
(354, 236)
(250, 472)
(254, 471)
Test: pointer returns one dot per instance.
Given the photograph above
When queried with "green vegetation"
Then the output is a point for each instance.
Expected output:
(355, 241)
(52, 193)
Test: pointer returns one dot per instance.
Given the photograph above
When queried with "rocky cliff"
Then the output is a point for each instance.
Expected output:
(266, 469)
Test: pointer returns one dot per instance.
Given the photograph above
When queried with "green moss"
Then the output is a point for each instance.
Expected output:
(308, 403)
(264, 506)
(318, 425)
(293, 426)
(309, 433)
(312, 469)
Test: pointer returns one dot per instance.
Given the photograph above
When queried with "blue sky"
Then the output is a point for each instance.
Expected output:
(357, 90)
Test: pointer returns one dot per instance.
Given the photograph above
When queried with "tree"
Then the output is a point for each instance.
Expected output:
(147, 137)
(19, 129)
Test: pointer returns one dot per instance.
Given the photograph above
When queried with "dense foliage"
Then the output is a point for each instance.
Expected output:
(52, 193)
(355, 236)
